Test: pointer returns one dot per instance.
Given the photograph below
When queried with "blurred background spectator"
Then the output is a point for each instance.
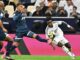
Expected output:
(77, 4)
(74, 12)
(6, 2)
(62, 12)
(37, 12)
(42, 8)
(52, 9)
(27, 2)
(37, 3)
(55, 8)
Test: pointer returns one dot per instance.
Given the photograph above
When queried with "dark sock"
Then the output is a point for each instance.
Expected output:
(9, 45)
(40, 39)
(10, 50)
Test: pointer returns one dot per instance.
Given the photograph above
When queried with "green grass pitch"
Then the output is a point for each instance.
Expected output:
(30, 57)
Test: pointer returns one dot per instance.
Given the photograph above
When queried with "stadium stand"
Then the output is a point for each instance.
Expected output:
(10, 10)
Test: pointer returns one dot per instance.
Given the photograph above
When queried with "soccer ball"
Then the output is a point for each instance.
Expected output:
(51, 35)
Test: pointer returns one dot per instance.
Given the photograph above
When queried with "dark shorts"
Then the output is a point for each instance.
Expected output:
(2, 36)
(19, 35)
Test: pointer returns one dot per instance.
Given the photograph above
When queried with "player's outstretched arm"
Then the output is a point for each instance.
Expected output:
(69, 26)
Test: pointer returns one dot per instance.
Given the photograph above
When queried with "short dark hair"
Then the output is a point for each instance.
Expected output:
(49, 21)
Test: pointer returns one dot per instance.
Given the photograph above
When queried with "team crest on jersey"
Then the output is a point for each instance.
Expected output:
(23, 18)
(51, 34)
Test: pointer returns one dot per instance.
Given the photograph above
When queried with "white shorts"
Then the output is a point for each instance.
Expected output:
(61, 39)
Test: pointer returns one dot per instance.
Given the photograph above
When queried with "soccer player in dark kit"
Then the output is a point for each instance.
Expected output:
(22, 29)
(3, 33)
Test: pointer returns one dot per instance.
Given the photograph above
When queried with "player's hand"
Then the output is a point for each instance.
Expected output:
(52, 44)
(49, 41)
(53, 47)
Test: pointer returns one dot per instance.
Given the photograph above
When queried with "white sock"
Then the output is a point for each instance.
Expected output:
(68, 52)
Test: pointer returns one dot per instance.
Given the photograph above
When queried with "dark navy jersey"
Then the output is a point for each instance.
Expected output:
(20, 22)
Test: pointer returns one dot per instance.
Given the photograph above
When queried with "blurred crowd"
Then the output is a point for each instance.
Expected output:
(54, 8)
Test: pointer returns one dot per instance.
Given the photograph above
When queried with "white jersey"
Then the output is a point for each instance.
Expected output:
(56, 31)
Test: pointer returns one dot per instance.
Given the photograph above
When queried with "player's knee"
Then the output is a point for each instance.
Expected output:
(60, 44)
(16, 41)
(15, 44)
(34, 35)
(68, 46)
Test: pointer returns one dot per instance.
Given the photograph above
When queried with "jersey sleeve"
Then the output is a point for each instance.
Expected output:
(59, 22)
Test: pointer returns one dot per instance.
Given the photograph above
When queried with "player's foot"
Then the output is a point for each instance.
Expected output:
(49, 41)
(8, 58)
(73, 56)
(4, 57)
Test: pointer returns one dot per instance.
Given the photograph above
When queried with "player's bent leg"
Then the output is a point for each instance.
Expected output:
(65, 49)
(10, 42)
(33, 35)
(69, 48)
(39, 38)
(14, 45)
(68, 52)
(2, 38)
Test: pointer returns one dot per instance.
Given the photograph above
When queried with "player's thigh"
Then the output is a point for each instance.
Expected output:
(64, 40)
(56, 40)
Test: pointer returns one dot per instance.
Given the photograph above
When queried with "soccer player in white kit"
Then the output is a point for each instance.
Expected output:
(54, 33)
